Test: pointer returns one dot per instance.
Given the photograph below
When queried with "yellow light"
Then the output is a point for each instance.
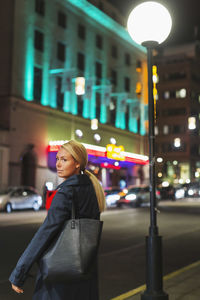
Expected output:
(94, 124)
(80, 86)
(159, 174)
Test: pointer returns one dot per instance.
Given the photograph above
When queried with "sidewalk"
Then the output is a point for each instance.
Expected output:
(183, 284)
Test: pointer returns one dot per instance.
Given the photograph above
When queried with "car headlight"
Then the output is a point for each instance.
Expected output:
(40, 201)
(190, 192)
(180, 193)
(130, 197)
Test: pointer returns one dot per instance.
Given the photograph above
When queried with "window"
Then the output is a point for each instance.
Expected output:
(112, 108)
(81, 32)
(99, 41)
(62, 19)
(40, 7)
(80, 105)
(98, 105)
(39, 40)
(114, 77)
(127, 84)
(98, 72)
(165, 129)
(127, 59)
(181, 93)
(81, 61)
(59, 94)
(61, 51)
(114, 51)
(37, 84)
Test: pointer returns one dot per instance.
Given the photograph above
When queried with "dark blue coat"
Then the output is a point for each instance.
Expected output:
(58, 213)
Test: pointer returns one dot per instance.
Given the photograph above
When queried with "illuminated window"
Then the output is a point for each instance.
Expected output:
(166, 95)
(61, 51)
(40, 7)
(177, 142)
(138, 66)
(181, 93)
(191, 123)
(39, 40)
(156, 130)
(62, 19)
(165, 129)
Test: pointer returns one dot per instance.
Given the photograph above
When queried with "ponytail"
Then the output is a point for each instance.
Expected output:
(98, 190)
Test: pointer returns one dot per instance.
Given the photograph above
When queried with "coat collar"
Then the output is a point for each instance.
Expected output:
(81, 179)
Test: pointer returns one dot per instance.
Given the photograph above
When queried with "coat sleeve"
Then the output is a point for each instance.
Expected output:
(58, 213)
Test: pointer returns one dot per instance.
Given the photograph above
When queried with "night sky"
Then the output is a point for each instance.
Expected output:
(185, 16)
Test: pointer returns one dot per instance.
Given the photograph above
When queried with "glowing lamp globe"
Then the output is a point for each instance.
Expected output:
(149, 22)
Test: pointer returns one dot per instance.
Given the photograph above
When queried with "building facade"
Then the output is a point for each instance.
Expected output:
(178, 114)
(64, 64)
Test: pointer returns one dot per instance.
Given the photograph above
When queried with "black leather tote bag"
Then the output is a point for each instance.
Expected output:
(72, 256)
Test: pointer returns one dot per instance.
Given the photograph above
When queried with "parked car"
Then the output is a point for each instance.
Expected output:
(23, 197)
(112, 195)
(136, 197)
(188, 190)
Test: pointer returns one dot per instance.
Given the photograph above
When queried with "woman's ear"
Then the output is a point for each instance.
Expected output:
(77, 166)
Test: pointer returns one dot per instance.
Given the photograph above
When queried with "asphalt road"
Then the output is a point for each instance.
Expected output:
(122, 251)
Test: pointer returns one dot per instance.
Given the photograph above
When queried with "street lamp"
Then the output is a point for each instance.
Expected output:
(149, 24)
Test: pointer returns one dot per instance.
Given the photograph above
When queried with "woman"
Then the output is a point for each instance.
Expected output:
(71, 161)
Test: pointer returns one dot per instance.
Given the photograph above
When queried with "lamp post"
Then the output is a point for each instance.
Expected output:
(149, 24)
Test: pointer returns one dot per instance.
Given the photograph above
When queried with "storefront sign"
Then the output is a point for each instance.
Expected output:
(115, 152)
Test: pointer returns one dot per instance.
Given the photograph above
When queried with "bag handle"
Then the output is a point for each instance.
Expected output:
(73, 214)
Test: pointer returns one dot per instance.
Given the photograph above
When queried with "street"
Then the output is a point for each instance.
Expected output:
(122, 251)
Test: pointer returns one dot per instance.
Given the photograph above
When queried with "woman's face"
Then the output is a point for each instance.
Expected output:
(66, 165)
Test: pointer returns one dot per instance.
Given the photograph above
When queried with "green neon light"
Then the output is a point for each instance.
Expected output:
(133, 125)
(105, 21)
(29, 68)
(45, 87)
(93, 105)
(66, 105)
(86, 108)
(103, 114)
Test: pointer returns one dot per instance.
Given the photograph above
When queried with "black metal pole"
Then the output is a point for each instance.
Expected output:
(154, 280)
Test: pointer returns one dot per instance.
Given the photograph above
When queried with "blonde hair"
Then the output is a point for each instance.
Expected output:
(79, 153)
